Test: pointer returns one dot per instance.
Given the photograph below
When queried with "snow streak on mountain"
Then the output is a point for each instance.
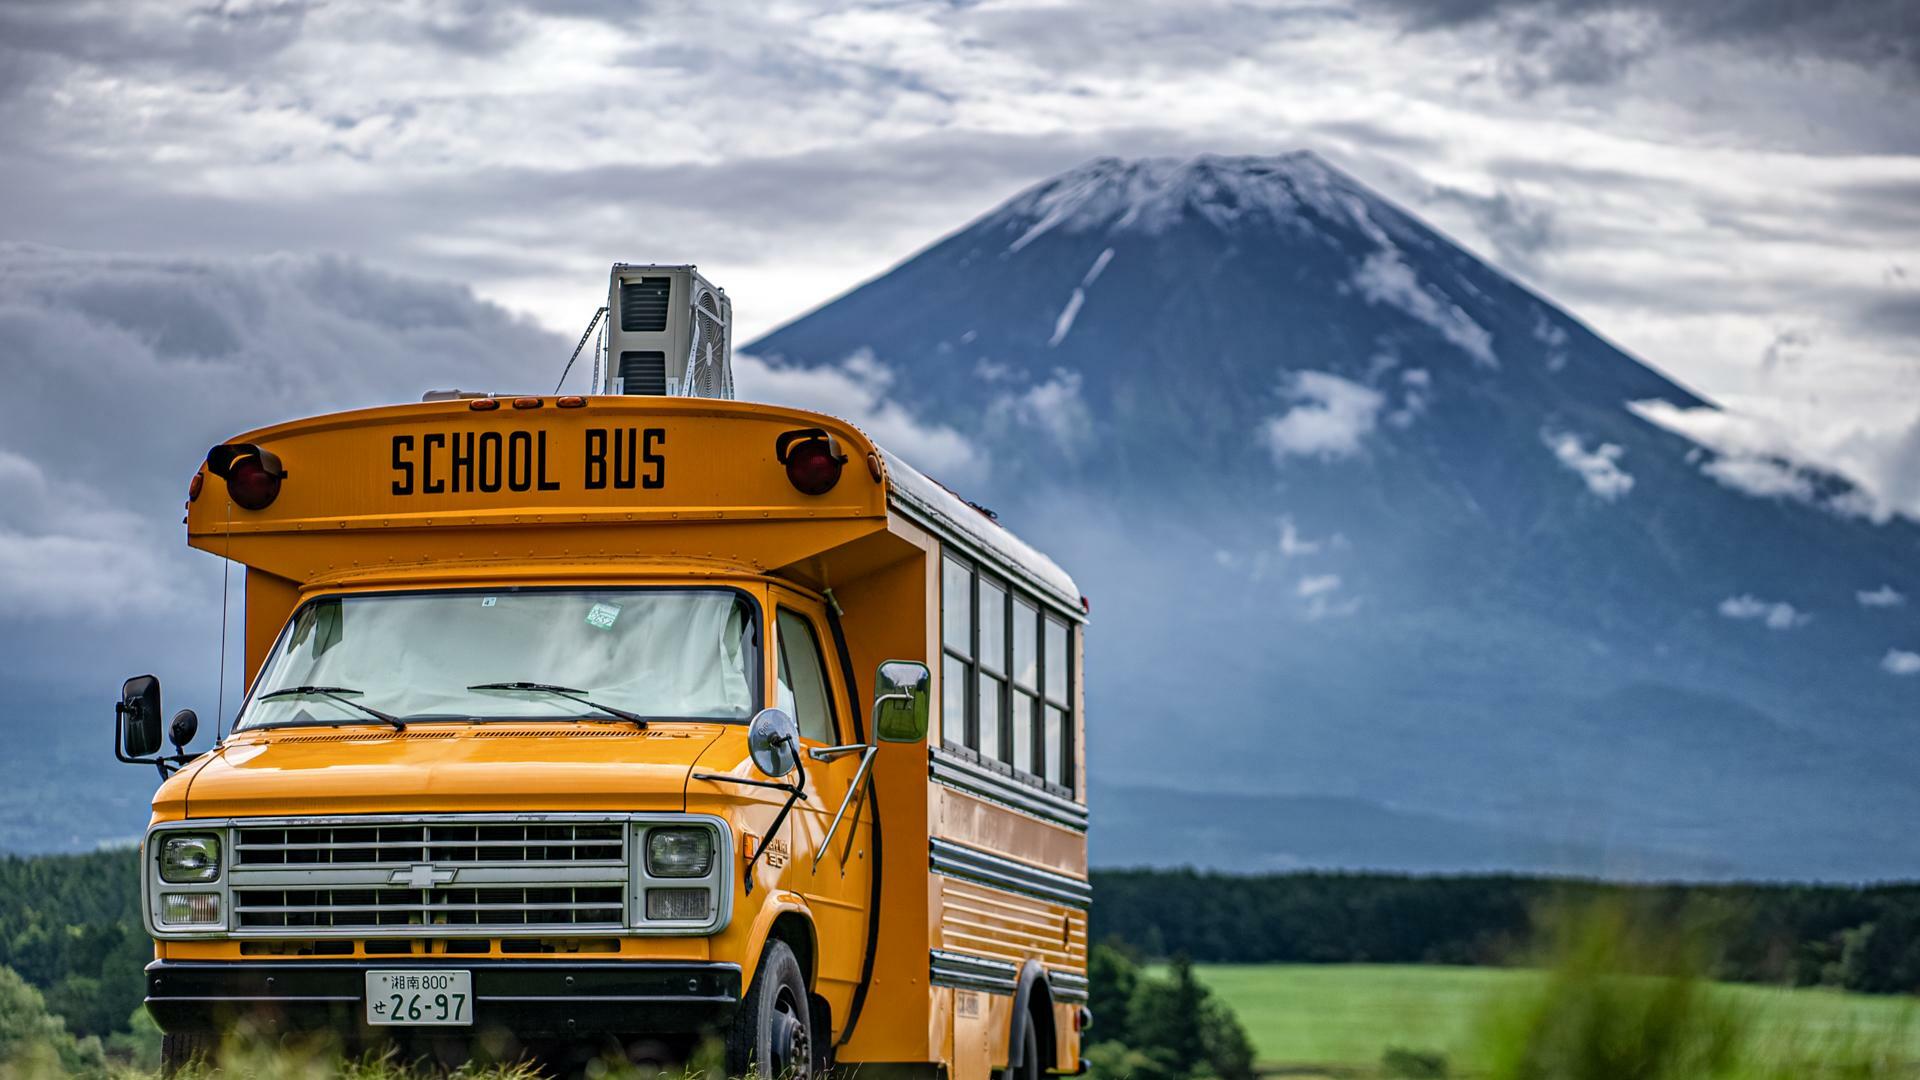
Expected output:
(1393, 562)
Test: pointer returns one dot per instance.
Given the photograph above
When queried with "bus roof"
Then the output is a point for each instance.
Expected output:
(936, 506)
(375, 491)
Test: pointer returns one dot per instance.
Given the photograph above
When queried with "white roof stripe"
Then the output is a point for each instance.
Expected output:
(949, 513)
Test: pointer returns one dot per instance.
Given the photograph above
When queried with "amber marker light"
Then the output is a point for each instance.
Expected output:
(194, 485)
(526, 403)
(571, 401)
(483, 404)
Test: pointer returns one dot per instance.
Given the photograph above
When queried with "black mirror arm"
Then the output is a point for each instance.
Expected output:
(168, 764)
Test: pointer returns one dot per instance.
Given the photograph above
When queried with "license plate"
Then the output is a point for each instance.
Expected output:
(420, 998)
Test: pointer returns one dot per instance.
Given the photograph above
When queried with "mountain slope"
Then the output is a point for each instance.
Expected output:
(1364, 519)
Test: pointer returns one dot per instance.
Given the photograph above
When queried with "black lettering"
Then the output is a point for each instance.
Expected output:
(402, 445)
(428, 484)
(655, 459)
(462, 478)
(519, 461)
(625, 442)
(540, 455)
(596, 459)
(489, 461)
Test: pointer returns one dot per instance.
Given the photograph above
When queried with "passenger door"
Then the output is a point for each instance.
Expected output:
(838, 884)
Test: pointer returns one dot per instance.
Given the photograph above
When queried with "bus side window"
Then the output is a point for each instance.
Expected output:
(803, 678)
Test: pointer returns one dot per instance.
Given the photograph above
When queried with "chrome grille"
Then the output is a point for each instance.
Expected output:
(383, 877)
(569, 843)
(566, 907)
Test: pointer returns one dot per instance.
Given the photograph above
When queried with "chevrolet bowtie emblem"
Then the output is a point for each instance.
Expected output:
(423, 876)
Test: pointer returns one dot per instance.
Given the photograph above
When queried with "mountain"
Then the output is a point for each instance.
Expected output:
(1391, 561)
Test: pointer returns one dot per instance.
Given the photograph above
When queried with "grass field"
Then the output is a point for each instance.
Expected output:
(1346, 1015)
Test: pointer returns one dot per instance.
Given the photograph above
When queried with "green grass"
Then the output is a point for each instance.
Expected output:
(1347, 1014)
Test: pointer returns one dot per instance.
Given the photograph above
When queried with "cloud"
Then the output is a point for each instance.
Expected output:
(1861, 475)
(1881, 34)
(1330, 418)
(1384, 278)
(1777, 615)
(1317, 585)
(1900, 662)
(1886, 596)
(856, 390)
(1321, 592)
(1054, 407)
(1598, 467)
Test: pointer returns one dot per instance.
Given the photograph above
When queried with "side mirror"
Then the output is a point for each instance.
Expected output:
(138, 715)
(902, 701)
(186, 723)
(773, 741)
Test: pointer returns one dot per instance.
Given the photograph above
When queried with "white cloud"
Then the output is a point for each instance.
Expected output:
(1293, 544)
(1598, 467)
(1777, 615)
(1330, 418)
(1384, 278)
(1771, 458)
(1885, 596)
(1053, 407)
(857, 391)
(1900, 662)
(1323, 598)
(1317, 585)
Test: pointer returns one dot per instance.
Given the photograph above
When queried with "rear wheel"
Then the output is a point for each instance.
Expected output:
(183, 1050)
(1029, 1067)
(772, 1032)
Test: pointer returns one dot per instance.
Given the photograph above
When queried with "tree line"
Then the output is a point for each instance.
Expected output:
(70, 927)
(1861, 938)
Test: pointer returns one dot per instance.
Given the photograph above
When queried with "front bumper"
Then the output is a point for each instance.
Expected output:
(529, 999)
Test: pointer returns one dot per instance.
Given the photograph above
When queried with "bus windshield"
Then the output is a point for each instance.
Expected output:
(661, 653)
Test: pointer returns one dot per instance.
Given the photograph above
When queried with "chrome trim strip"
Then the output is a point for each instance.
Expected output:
(1068, 985)
(967, 972)
(986, 868)
(962, 775)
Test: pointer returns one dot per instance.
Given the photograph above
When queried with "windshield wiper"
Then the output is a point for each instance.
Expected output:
(567, 692)
(336, 693)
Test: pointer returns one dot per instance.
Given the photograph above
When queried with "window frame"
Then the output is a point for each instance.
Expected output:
(778, 653)
(977, 670)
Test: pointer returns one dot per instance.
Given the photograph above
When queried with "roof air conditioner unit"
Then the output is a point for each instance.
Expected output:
(670, 333)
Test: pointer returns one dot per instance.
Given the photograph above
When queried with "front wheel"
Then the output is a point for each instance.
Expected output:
(772, 1031)
(185, 1051)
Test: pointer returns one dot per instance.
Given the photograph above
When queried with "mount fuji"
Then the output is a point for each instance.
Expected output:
(1393, 562)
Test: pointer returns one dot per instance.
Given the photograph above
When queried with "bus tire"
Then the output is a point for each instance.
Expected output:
(1029, 1067)
(186, 1050)
(772, 1031)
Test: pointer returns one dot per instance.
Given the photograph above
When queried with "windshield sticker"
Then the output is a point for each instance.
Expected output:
(602, 615)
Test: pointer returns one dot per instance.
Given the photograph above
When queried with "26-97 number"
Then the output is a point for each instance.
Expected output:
(420, 997)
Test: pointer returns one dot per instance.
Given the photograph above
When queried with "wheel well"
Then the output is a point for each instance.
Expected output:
(1040, 1015)
(797, 931)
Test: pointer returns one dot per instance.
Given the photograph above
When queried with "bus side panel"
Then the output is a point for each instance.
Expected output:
(890, 615)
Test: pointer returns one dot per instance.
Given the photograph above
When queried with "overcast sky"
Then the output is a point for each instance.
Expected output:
(1730, 190)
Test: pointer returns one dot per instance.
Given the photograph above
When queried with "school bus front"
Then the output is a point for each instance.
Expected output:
(555, 739)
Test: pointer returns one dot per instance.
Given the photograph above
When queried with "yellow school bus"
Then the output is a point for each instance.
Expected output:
(599, 723)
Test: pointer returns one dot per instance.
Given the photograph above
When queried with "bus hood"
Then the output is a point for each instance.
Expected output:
(436, 768)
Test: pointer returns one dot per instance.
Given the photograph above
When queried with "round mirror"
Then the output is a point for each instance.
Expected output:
(773, 741)
(186, 723)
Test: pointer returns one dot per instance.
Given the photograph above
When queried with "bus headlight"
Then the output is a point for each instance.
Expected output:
(190, 859)
(679, 853)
